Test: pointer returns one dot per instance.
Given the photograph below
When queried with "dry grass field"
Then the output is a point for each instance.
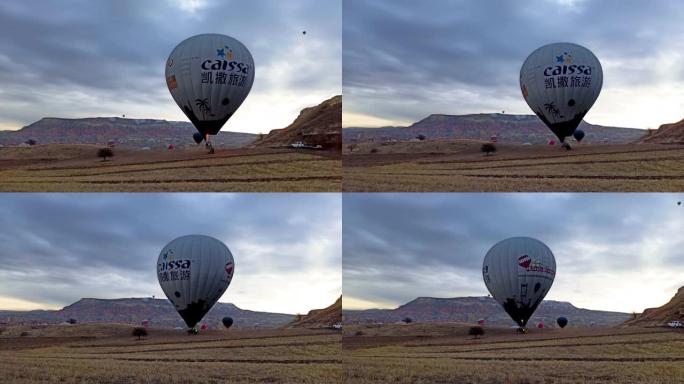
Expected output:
(108, 354)
(443, 353)
(75, 168)
(459, 166)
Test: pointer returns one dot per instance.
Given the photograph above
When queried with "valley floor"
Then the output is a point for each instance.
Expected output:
(445, 354)
(459, 166)
(73, 168)
(166, 356)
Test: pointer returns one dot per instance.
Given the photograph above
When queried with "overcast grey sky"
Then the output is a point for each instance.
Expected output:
(622, 252)
(58, 248)
(83, 58)
(404, 60)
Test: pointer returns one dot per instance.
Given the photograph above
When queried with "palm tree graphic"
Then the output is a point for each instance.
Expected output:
(551, 107)
(203, 106)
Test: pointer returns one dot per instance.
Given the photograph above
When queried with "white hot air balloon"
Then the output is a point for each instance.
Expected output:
(560, 82)
(519, 272)
(209, 76)
(194, 271)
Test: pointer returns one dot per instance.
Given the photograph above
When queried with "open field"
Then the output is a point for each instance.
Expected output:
(445, 166)
(75, 168)
(98, 353)
(443, 353)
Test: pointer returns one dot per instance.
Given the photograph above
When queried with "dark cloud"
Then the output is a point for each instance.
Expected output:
(400, 246)
(81, 58)
(404, 60)
(57, 248)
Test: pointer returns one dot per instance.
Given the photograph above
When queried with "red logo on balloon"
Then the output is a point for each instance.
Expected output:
(229, 269)
(524, 261)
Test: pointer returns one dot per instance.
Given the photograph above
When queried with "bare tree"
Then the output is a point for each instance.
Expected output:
(476, 332)
(488, 148)
(139, 332)
(104, 153)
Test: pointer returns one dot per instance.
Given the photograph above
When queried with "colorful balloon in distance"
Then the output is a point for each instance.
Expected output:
(578, 135)
(562, 321)
(227, 321)
(540, 325)
(209, 76)
(194, 271)
(197, 137)
(519, 272)
(560, 82)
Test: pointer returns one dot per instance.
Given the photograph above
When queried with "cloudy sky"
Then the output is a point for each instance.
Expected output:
(622, 252)
(58, 248)
(404, 60)
(83, 58)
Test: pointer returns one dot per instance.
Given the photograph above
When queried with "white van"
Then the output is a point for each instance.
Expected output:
(675, 324)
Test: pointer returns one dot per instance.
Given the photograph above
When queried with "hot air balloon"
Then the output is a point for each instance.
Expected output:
(540, 325)
(518, 272)
(562, 321)
(145, 323)
(194, 271)
(227, 321)
(209, 76)
(197, 137)
(560, 82)
(204, 327)
(481, 322)
(578, 135)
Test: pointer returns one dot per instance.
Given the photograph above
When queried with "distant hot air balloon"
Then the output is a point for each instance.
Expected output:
(481, 322)
(540, 325)
(145, 323)
(171, 147)
(209, 76)
(560, 82)
(518, 272)
(578, 135)
(194, 271)
(562, 321)
(552, 143)
(227, 321)
(197, 137)
(203, 327)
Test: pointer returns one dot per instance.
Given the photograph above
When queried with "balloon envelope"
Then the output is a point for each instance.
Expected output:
(518, 272)
(560, 82)
(578, 135)
(209, 76)
(194, 271)
(227, 321)
(562, 321)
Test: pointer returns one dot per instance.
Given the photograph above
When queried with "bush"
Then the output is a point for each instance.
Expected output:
(72, 321)
(24, 334)
(421, 137)
(104, 153)
(139, 332)
(31, 142)
(476, 332)
(358, 333)
(407, 320)
(351, 147)
(488, 148)
(374, 150)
